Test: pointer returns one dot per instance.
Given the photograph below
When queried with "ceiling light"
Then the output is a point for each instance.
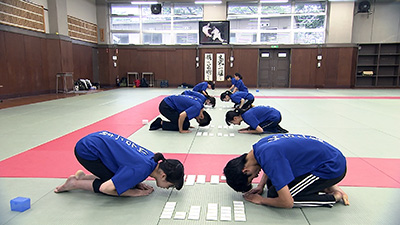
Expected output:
(144, 2)
(274, 1)
(208, 2)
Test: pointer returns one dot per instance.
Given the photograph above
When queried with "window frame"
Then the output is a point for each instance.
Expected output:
(292, 30)
(173, 19)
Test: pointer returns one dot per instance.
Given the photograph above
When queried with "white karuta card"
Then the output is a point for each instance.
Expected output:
(166, 215)
(194, 212)
(190, 180)
(199, 134)
(201, 179)
(180, 215)
(214, 179)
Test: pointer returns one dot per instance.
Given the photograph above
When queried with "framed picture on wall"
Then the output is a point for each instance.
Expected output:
(213, 32)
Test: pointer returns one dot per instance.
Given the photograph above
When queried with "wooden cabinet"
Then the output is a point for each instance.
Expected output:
(378, 65)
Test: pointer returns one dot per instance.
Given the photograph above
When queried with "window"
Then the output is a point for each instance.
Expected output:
(277, 23)
(135, 24)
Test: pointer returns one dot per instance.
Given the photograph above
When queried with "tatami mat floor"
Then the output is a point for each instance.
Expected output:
(359, 127)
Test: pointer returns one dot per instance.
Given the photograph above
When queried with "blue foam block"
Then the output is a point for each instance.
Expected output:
(20, 204)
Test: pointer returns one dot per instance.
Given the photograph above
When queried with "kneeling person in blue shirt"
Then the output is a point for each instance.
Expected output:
(179, 109)
(261, 119)
(119, 166)
(242, 100)
(297, 168)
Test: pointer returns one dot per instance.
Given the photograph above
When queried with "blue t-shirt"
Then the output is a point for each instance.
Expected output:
(130, 163)
(240, 86)
(201, 86)
(233, 81)
(283, 157)
(191, 105)
(237, 96)
(198, 95)
(256, 115)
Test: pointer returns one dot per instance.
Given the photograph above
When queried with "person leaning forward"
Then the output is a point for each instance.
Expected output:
(299, 170)
(179, 109)
(119, 166)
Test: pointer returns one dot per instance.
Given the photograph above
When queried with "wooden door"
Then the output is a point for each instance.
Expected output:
(274, 67)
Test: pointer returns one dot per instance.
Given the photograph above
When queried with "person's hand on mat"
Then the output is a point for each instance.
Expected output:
(257, 190)
(137, 192)
(254, 198)
(143, 186)
(338, 193)
(345, 199)
(185, 131)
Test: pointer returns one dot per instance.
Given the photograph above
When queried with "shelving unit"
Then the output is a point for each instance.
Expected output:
(378, 65)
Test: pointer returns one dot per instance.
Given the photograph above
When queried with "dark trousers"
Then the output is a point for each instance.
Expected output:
(247, 104)
(270, 126)
(97, 168)
(173, 116)
(305, 190)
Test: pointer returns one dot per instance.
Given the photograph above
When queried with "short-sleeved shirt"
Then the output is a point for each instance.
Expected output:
(130, 162)
(256, 115)
(191, 105)
(233, 81)
(240, 86)
(237, 96)
(201, 86)
(198, 95)
(283, 157)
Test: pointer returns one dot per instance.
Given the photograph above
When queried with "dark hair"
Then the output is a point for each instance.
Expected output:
(212, 84)
(206, 120)
(238, 75)
(212, 100)
(172, 168)
(230, 114)
(228, 76)
(235, 178)
(224, 94)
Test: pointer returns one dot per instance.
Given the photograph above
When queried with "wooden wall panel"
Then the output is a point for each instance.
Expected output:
(124, 62)
(245, 63)
(15, 52)
(336, 71)
(67, 62)
(173, 68)
(302, 72)
(53, 61)
(35, 82)
(190, 74)
(82, 62)
(104, 63)
(157, 63)
(3, 64)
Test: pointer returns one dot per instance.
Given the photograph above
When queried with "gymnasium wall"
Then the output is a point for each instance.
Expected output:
(30, 62)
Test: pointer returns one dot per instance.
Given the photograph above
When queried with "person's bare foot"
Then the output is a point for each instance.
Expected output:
(339, 194)
(79, 174)
(68, 185)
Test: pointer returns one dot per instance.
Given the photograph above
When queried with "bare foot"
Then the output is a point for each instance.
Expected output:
(339, 194)
(68, 185)
(79, 174)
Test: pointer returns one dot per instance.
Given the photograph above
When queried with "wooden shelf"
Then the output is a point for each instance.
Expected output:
(383, 60)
